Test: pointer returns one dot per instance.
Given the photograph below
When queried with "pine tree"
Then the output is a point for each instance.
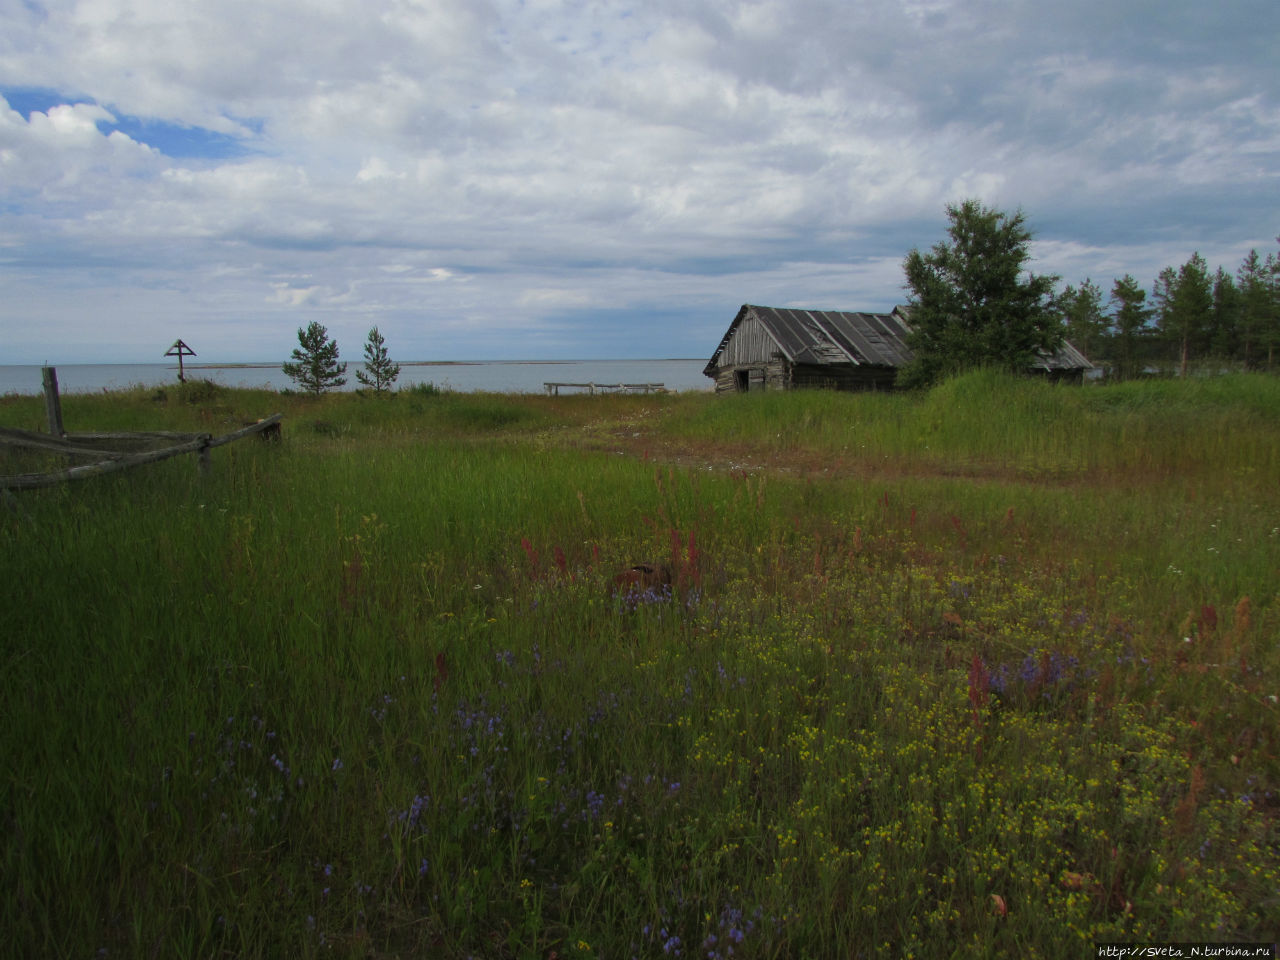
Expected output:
(971, 304)
(1129, 318)
(1271, 327)
(1224, 319)
(382, 372)
(1184, 303)
(315, 367)
(1082, 312)
(1255, 307)
(1259, 286)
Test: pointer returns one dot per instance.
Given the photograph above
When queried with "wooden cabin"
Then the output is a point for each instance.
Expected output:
(772, 348)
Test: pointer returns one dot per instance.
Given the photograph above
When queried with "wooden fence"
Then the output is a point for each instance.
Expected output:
(86, 445)
(109, 461)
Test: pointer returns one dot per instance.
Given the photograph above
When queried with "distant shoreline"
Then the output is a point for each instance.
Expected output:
(443, 363)
(455, 375)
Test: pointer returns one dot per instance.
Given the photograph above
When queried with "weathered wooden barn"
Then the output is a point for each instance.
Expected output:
(782, 349)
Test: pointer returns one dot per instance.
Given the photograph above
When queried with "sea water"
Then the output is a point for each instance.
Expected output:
(497, 376)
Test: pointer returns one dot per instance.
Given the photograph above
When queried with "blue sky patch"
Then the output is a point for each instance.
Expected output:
(25, 100)
(171, 139)
(174, 140)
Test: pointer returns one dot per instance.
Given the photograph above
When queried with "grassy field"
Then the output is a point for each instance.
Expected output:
(991, 670)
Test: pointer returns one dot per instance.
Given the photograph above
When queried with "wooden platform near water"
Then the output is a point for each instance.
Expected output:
(553, 387)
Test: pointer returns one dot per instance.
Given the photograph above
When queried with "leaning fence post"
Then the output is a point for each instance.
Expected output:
(203, 460)
(52, 402)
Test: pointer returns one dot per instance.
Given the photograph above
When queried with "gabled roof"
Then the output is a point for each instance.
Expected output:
(828, 336)
(825, 337)
(1066, 357)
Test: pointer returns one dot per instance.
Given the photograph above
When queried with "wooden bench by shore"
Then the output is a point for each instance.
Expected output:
(553, 387)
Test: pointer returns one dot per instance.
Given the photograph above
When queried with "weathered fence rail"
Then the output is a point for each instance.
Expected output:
(109, 461)
(106, 460)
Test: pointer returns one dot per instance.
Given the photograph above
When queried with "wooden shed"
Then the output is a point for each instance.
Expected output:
(782, 349)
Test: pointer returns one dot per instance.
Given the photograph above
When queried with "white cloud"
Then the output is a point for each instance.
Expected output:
(62, 153)
(375, 168)
(549, 297)
(292, 296)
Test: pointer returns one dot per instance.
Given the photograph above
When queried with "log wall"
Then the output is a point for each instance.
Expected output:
(778, 374)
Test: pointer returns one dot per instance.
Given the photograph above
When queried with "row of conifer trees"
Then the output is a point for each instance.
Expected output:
(315, 367)
(1192, 317)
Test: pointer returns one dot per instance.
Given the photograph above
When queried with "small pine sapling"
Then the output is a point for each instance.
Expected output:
(315, 367)
(382, 372)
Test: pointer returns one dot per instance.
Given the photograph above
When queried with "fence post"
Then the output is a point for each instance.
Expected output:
(204, 462)
(52, 402)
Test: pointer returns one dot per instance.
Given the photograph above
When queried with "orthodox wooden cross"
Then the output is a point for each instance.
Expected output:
(180, 350)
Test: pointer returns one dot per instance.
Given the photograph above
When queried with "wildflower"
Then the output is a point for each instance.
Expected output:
(979, 685)
(411, 816)
(337, 764)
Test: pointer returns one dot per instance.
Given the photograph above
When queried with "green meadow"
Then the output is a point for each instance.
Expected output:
(990, 670)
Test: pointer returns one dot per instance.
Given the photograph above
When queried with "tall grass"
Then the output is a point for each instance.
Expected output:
(989, 422)
(374, 691)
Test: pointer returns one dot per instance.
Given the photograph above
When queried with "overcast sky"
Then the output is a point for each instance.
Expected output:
(522, 179)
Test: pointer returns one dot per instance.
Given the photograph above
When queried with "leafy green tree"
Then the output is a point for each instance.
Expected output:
(1086, 326)
(971, 304)
(382, 373)
(315, 366)
(1184, 304)
(1129, 318)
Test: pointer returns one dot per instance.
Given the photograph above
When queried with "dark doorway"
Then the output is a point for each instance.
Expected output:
(742, 380)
